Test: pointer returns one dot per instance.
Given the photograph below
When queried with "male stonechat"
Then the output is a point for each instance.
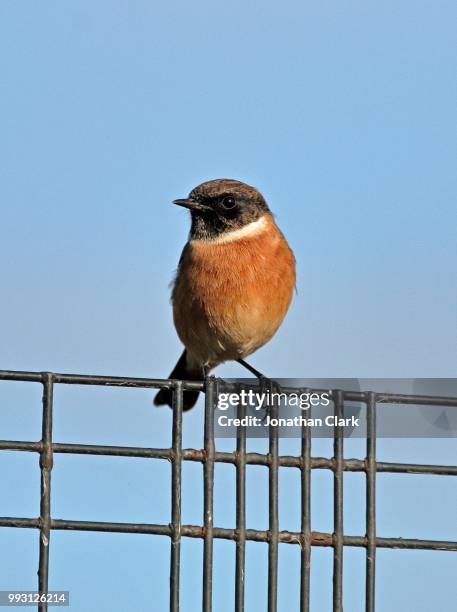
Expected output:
(234, 281)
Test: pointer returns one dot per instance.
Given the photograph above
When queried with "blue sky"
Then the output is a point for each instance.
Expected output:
(343, 115)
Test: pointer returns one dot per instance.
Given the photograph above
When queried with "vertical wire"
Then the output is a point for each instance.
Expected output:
(338, 505)
(176, 483)
(273, 512)
(305, 516)
(371, 504)
(208, 476)
(46, 461)
(240, 512)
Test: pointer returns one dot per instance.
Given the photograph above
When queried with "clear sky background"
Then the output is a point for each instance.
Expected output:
(344, 116)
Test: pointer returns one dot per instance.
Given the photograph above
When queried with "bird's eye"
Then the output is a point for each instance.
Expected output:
(228, 202)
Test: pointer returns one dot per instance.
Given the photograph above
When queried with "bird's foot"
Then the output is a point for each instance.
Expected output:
(269, 387)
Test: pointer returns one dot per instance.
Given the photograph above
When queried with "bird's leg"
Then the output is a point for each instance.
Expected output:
(246, 365)
(266, 384)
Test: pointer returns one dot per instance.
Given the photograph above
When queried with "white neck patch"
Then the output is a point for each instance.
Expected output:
(249, 230)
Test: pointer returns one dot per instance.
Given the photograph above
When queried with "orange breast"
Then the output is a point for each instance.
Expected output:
(230, 298)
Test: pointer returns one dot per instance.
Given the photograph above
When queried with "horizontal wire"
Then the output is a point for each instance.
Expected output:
(100, 380)
(123, 381)
(194, 531)
(191, 454)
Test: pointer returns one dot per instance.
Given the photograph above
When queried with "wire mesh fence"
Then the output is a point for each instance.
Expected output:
(208, 456)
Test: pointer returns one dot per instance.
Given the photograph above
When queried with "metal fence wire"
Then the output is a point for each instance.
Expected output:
(208, 456)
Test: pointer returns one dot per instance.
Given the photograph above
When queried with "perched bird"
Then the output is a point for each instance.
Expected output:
(234, 281)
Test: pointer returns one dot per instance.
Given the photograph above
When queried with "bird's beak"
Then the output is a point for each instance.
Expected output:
(190, 204)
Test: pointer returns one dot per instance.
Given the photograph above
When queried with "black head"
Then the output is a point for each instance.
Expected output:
(222, 205)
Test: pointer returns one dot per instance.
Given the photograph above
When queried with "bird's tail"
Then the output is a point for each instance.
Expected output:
(185, 369)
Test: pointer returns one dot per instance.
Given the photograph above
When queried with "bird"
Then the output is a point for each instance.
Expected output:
(234, 282)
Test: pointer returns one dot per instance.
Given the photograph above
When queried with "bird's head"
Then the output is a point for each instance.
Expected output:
(221, 206)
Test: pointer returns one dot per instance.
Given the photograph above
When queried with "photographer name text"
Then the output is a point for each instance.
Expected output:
(297, 421)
